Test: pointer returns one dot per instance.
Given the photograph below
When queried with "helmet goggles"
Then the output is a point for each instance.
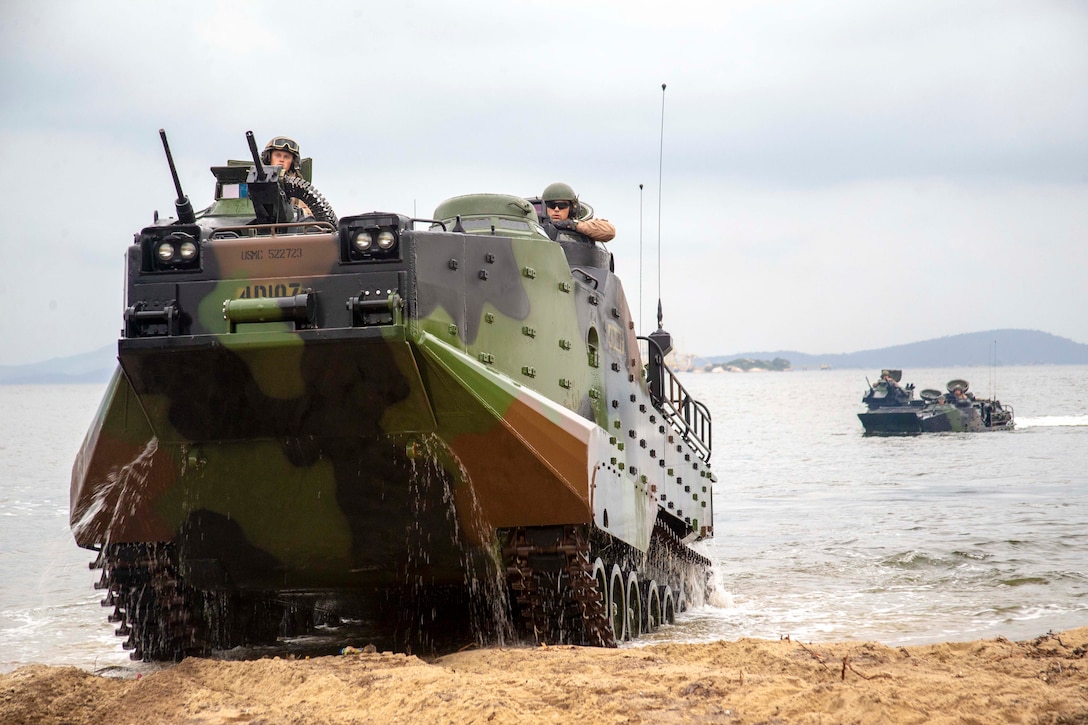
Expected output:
(282, 143)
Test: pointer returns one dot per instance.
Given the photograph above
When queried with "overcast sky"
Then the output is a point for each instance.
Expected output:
(838, 175)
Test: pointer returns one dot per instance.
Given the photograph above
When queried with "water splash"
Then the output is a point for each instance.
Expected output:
(718, 595)
(1053, 421)
(470, 535)
(485, 573)
(115, 497)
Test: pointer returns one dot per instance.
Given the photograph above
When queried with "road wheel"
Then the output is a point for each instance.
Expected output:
(616, 604)
(668, 606)
(653, 606)
(634, 607)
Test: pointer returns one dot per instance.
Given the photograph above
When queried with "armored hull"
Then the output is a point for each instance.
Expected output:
(315, 419)
(904, 420)
(893, 410)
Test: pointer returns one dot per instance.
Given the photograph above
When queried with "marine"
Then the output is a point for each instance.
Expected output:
(565, 214)
(285, 152)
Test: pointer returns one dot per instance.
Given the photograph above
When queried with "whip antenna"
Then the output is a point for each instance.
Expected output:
(640, 256)
(660, 158)
(662, 340)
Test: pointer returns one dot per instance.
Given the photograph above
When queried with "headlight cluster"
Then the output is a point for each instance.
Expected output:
(373, 237)
(170, 248)
(367, 239)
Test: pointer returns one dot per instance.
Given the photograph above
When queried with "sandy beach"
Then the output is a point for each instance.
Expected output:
(748, 681)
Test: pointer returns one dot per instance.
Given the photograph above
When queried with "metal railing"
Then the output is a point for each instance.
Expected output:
(685, 414)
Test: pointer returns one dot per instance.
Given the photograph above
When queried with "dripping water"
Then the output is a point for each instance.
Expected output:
(483, 590)
(116, 497)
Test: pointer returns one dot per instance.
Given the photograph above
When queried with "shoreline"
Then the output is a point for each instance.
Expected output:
(1040, 680)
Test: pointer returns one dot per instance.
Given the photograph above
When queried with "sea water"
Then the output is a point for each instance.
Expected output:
(821, 533)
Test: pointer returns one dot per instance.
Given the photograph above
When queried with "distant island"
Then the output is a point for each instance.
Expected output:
(973, 349)
(747, 365)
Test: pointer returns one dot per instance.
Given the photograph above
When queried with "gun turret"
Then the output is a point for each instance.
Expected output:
(184, 208)
(263, 175)
(265, 190)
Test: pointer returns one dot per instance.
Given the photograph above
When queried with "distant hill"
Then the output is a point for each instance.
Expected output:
(88, 367)
(1014, 347)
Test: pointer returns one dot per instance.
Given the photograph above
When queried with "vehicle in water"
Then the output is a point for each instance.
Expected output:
(892, 409)
(438, 425)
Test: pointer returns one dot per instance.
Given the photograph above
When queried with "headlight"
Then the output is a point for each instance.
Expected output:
(170, 248)
(363, 240)
(374, 238)
(386, 239)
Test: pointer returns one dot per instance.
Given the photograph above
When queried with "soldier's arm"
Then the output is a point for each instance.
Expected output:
(599, 230)
(302, 206)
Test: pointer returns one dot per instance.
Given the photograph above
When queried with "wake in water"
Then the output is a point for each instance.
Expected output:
(1052, 421)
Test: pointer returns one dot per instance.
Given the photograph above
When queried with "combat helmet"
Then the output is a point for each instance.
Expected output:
(282, 143)
(559, 191)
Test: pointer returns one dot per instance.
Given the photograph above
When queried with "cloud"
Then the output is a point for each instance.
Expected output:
(866, 266)
(802, 141)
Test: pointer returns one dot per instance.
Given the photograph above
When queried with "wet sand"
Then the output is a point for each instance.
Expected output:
(1044, 680)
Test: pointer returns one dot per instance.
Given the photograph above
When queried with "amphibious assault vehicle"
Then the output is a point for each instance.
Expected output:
(416, 422)
(893, 410)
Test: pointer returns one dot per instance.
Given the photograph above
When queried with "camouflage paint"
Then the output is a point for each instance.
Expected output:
(507, 380)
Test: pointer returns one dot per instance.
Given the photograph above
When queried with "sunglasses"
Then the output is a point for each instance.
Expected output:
(284, 144)
(558, 204)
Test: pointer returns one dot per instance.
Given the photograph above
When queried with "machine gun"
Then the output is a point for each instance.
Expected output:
(265, 191)
(182, 205)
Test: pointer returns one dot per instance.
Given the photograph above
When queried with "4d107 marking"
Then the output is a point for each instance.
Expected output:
(278, 289)
(353, 434)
